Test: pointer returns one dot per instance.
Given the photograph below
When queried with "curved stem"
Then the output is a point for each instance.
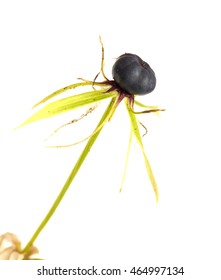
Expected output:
(102, 60)
(144, 106)
(107, 113)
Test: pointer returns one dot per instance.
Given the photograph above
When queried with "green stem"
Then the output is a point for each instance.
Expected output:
(137, 135)
(127, 159)
(108, 112)
(144, 106)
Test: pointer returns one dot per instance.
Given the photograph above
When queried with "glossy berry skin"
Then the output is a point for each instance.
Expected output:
(133, 75)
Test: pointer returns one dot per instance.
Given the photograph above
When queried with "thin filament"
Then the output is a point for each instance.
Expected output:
(110, 114)
(90, 110)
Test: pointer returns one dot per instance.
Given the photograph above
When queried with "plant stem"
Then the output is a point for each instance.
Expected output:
(137, 135)
(127, 159)
(109, 111)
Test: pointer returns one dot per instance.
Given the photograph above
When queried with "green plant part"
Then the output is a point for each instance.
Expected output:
(132, 76)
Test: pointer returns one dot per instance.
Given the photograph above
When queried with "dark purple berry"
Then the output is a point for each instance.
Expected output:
(133, 75)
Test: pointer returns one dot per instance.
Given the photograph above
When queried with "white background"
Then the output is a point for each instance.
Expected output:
(46, 45)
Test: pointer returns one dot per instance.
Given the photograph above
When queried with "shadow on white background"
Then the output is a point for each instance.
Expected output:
(46, 46)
